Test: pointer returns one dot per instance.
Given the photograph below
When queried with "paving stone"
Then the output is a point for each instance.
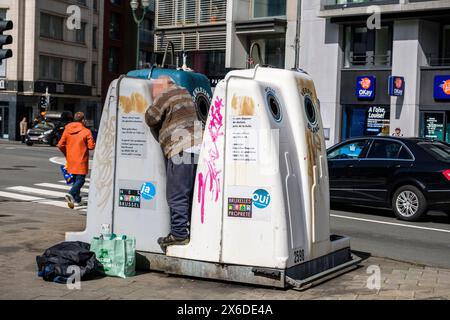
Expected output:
(399, 280)
(397, 293)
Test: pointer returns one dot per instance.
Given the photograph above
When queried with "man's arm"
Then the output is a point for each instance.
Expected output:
(154, 116)
(90, 141)
(63, 143)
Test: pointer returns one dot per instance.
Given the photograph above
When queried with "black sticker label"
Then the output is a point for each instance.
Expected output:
(240, 207)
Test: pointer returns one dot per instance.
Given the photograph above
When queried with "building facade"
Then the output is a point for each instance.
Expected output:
(196, 27)
(50, 55)
(120, 38)
(217, 35)
(379, 65)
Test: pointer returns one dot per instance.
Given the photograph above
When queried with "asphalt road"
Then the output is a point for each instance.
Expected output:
(24, 165)
(373, 231)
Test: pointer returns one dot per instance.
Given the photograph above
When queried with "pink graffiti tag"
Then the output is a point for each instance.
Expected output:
(213, 174)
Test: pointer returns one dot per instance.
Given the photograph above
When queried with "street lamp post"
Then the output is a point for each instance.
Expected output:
(135, 4)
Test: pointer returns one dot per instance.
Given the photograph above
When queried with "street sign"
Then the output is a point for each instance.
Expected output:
(396, 86)
(365, 87)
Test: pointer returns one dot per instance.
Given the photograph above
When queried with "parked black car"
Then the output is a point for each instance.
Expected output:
(408, 175)
(50, 130)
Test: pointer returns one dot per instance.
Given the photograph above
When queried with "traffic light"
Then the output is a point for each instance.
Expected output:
(43, 102)
(5, 25)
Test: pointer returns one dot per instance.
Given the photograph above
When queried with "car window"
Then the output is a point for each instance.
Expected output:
(350, 150)
(404, 154)
(438, 150)
(44, 125)
(384, 149)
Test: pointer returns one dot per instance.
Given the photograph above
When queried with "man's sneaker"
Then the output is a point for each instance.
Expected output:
(170, 240)
(79, 204)
(70, 201)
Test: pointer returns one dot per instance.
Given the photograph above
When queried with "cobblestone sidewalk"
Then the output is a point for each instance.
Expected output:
(26, 230)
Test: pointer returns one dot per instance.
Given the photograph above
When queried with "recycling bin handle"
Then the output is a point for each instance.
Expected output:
(165, 54)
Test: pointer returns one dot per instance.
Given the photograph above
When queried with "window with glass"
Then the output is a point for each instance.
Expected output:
(50, 68)
(446, 45)
(436, 149)
(384, 149)
(146, 31)
(80, 34)
(51, 26)
(272, 51)
(94, 75)
(113, 60)
(269, 8)
(362, 120)
(79, 71)
(94, 37)
(367, 47)
(114, 26)
(351, 150)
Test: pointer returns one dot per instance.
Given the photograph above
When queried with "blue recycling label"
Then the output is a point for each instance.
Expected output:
(148, 191)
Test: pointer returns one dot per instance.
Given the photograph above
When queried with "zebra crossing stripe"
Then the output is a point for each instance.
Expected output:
(86, 184)
(17, 196)
(60, 204)
(38, 191)
(58, 186)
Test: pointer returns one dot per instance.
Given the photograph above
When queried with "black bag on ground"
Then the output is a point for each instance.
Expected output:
(55, 261)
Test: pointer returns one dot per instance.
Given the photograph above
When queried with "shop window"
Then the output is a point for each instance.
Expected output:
(433, 125)
(367, 48)
(269, 8)
(272, 51)
(362, 120)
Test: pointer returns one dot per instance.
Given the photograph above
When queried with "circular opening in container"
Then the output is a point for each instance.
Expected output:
(202, 103)
(274, 107)
(310, 111)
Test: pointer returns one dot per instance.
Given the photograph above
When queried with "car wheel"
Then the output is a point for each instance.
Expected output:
(409, 203)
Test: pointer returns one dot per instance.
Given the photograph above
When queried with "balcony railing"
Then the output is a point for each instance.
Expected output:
(332, 3)
(368, 60)
(186, 13)
(436, 61)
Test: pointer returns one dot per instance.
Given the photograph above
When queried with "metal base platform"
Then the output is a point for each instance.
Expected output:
(300, 277)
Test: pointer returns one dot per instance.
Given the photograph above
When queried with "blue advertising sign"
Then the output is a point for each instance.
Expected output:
(396, 86)
(442, 87)
(365, 87)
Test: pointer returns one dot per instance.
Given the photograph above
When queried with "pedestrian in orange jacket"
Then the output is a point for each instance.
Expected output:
(75, 144)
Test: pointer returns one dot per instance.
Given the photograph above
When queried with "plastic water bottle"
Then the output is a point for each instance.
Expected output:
(106, 232)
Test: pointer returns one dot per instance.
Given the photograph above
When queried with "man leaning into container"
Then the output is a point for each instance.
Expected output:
(173, 118)
(75, 144)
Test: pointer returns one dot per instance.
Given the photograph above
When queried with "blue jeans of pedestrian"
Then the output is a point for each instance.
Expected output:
(181, 171)
(78, 183)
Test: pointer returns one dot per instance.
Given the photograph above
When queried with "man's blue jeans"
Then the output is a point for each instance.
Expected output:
(181, 171)
(78, 183)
